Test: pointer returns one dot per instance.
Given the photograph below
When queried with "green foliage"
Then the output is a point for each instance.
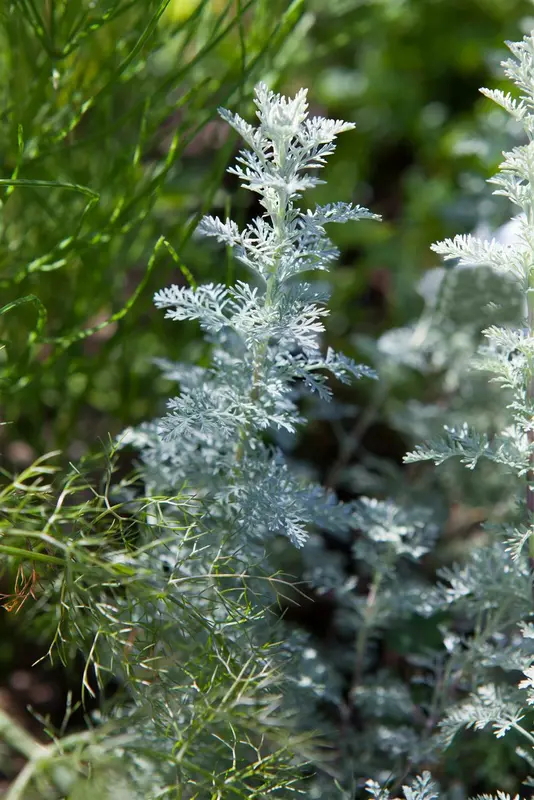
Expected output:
(106, 110)
(167, 612)
(110, 157)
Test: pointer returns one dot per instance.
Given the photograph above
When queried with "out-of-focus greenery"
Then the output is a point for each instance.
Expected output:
(107, 144)
(408, 73)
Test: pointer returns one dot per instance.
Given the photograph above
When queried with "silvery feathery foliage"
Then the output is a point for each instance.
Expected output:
(430, 361)
(266, 337)
(437, 350)
(381, 586)
(373, 586)
(266, 345)
(495, 584)
(422, 788)
(508, 351)
(373, 583)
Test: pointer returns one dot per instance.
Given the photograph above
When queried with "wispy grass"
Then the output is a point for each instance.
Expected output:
(106, 147)
(168, 614)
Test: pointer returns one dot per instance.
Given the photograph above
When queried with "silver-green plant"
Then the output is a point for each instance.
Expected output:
(422, 788)
(177, 607)
(267, 339)
(493, 588)
(175, 603)
(266, 353)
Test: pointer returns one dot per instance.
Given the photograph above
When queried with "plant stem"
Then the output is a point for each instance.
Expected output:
(32, 555)
(370, 611)
(256, 376)
(18, 738)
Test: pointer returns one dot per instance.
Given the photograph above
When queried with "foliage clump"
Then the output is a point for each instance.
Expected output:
(168, 589)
